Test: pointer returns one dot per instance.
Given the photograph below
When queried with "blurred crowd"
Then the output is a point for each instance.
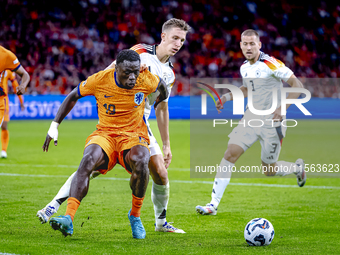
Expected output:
(63, 42)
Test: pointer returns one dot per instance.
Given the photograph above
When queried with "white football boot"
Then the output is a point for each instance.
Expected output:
(46, 213)
(301, 175)
(167, 227)
(3, 154)
(209, 209)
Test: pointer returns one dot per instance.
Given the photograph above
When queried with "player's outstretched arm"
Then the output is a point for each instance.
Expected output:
(25, 78)
(63, 110)
(164, 93)
(162, 117)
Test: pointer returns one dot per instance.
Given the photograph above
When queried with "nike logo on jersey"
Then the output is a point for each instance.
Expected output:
(107, 96)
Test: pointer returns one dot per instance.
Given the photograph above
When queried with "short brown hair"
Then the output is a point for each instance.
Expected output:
(176, 23)
(250, 32)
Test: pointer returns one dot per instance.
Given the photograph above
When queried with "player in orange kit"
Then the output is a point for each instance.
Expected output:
(8, 76)
(157, 60)
(121, 135)
(8, 61)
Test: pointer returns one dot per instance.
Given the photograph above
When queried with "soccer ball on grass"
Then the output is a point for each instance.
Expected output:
(259, 232)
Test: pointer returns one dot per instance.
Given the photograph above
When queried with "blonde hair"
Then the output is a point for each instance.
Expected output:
(175, 23)
(250, 32)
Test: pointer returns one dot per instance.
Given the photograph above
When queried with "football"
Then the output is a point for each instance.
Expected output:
(259, 232)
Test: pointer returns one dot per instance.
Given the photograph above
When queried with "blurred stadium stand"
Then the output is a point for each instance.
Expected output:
(63, 42)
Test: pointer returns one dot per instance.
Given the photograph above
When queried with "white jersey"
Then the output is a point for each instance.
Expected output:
(261, 78)
(165, 71)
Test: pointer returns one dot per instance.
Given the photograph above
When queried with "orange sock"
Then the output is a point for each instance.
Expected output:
(72, 206)
(137, 203)
(4, 139)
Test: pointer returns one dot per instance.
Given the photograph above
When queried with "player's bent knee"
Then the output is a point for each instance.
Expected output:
(140, 159)
(140, 154)
(268, 169)
(88, 163)
(93, 157)
(231, 155)
(142, 164)
(233, 152)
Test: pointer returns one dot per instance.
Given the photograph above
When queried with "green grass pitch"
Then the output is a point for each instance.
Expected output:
(306, 220)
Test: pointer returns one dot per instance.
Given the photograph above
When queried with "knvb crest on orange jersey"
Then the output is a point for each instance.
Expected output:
(139, 98)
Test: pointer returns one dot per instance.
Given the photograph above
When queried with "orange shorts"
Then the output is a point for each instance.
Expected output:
(114, 146)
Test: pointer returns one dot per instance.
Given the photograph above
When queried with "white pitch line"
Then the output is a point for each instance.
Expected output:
(180, 181)
(73, 166)
(30, 165)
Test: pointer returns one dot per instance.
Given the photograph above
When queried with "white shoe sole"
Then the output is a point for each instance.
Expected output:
(202, 211)
(178, 231)
(303, 181)
(41, 217)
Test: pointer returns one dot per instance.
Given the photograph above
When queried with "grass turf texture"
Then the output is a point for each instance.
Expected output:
(306, 220)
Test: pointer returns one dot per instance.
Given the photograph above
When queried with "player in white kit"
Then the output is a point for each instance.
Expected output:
(261, 73)
(157, 59)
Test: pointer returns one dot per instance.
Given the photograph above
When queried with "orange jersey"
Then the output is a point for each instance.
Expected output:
(120, 110)
(7, 76)
(8, 61)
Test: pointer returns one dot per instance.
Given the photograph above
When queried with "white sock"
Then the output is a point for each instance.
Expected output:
(285, 168)
(63, 193)
(160, 198)
(221, 182)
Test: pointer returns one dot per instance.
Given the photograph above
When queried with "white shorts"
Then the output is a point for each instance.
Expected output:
(270, 139)
(154, 147)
